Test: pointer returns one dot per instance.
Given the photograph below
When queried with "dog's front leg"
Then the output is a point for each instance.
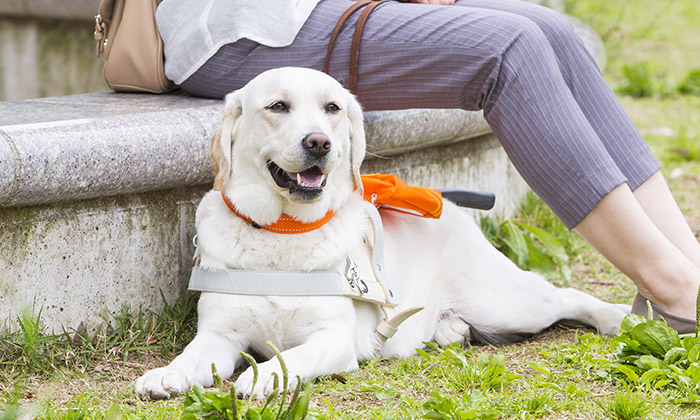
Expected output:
(191, 367)
(324, 352)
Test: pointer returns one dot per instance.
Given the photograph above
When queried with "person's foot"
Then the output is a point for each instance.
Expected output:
(680, 324)
(673, 289)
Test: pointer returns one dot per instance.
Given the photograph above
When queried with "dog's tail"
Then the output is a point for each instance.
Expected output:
(479, 337)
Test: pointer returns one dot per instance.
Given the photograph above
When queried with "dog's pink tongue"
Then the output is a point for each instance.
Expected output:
(311, 179)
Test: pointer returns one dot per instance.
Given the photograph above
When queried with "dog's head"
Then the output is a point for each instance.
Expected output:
(291, 141)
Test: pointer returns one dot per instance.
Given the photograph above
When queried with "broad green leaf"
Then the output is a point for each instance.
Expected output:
(517, 246)
(694, 372)
(652, 375)
(540, 260)
(602, 374)
(252, 414)
(550, 385)
(540, 367)
(656, 336)
(566, 273)
(694, 353)
(629, 372)
(571, 373)
(551, 244)
(689, 342)
(675, 355)
(574, 391)
(424, 354)
(647, 362)
(662, 383)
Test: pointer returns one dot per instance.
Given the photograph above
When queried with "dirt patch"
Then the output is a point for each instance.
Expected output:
(107, 381)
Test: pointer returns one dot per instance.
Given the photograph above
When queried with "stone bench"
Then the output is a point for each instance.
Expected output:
(98, 192)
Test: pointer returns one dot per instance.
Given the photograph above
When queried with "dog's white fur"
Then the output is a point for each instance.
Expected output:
(445, 265)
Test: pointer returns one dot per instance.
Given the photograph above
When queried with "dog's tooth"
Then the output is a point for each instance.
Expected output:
(299, 178)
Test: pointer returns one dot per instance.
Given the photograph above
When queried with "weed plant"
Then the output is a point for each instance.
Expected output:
(683, 148)
(203, 404)
(626, 405)
(463, 370)
(543, 249)
(691, 83)
(31, 352)
(32, 349)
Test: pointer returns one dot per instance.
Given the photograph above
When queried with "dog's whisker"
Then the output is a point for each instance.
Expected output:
(378, 156)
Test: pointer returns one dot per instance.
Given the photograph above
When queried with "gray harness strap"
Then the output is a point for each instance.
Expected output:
(269, 283)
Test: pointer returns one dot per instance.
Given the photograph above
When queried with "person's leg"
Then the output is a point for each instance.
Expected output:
(612, 124)
(668, 288)
(658, 203)
(621, 230)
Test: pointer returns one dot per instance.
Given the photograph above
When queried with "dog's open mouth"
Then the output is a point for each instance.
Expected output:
(308, 183)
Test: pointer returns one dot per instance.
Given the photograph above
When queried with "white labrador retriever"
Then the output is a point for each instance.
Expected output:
(291, 142)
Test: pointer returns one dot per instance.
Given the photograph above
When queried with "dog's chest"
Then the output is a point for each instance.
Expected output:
(236, 244)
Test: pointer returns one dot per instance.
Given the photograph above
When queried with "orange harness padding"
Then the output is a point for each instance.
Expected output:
(391, 193)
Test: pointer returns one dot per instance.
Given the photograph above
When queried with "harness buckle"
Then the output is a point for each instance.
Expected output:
(353, 276)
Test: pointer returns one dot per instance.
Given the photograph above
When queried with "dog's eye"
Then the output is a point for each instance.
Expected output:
(332, 107)
(278, 106)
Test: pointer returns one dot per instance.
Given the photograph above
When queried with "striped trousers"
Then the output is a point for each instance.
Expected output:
(522, 64)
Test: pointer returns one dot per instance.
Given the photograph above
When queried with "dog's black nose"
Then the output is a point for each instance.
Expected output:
(317, 144)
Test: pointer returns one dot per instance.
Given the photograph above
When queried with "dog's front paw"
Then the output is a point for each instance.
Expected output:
(162, 383)
(265, 383)
(610, 318)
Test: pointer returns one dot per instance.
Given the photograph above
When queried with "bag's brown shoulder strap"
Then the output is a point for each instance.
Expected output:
(357, 36)
(338, 26)
(105, 10)
(355, 49)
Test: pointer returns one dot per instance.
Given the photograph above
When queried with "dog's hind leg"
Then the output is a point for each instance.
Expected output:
(519, 303)
(451, 329)
(191, 367)
(537, 304)
(579, 306)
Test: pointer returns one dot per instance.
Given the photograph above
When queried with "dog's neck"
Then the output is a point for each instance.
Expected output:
(286, 224)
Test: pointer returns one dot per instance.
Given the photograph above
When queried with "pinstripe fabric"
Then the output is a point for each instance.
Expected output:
(540, 90)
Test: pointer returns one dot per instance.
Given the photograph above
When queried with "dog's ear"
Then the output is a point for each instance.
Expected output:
(357, 141)
(222, 141)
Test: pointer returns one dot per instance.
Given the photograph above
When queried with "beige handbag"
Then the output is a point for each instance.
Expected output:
(133, 48)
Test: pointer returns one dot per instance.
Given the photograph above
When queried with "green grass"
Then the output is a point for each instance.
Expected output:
(626, 405)
(562, 373)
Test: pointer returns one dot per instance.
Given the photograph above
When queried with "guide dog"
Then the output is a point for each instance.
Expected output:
(290, 144)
